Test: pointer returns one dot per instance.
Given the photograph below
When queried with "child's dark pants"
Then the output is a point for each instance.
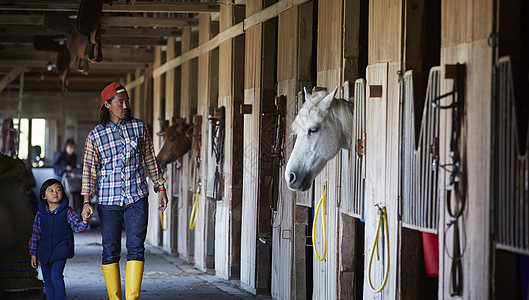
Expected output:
(54, 279)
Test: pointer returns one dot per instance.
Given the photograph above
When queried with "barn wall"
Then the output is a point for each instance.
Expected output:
(287, 77)
(466, 26)
(170, 101)
(204, 102)
(329, 75)
(228, 215)
(382, 144)
(252, 94)
(384, 31)
(153, 227)
(186, 110)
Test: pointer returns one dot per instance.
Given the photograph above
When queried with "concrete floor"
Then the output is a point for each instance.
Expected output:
(165, 276)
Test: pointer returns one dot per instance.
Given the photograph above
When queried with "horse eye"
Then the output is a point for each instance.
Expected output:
(313, 130)
(171, 139)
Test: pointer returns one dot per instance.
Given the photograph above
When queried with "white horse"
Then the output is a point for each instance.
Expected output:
(323, 126)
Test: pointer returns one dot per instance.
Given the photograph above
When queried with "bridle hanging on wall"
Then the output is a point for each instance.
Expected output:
(457, 179)
(277, 153)
(217, 122)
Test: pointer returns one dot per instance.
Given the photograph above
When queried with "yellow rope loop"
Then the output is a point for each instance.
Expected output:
(382, 218)
(194, 213)
(164, 228)
(324, 232)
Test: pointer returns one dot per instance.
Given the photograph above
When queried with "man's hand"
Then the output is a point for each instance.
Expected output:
(88, 211)
(34, 261)
(162, 197)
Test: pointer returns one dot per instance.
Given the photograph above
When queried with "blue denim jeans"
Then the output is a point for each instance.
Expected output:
(112, 217)
(54, 280)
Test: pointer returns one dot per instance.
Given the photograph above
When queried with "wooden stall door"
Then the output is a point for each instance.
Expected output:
(231, 89)
(381, 186)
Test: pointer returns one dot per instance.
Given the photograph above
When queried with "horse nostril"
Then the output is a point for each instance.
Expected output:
(292, 178)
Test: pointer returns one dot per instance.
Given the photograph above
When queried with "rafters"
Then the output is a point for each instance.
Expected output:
(151, 7)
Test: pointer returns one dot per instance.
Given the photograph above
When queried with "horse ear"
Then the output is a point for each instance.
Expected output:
(308, 96)
(326, 102)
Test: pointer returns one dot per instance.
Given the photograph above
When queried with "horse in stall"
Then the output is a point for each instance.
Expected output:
(176, 142)
(323, 126)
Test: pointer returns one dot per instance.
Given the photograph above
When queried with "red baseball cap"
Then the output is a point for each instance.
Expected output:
(111, 90)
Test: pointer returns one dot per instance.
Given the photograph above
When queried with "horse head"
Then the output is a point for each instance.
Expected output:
(176, 143)
(323, 126)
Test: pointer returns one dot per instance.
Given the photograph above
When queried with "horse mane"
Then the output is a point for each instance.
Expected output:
(341, 113)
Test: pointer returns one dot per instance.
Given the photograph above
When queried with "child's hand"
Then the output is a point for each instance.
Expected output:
(34, 261)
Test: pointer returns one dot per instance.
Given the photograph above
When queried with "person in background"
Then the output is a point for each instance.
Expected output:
(52, 240)
(66, 160)
(120, 149)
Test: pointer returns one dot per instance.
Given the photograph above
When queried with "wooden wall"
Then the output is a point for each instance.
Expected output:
(252, 94)
(231, 87)
(382, 144)
(153, 227)
(187, 109)
(385, 30)
(282, 233)
(329, 75)
(466, 26)
(207, 98)
(169, 243)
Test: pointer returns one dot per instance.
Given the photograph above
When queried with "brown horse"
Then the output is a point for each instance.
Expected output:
(77, 44)
(176, 142)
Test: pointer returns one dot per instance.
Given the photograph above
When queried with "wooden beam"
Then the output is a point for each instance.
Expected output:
(137, 82)
(138, 55)
(117, 66)
(111, 31)
(12, 75)
(147, 22)
(234, 31)
(38, 20)
(177, 7)
(117, 41)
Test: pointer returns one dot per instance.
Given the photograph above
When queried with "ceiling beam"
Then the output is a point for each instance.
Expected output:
(140, 55)
(109, 65)
(111, 31)
(139, 7)
(111, 21)
(147, 22)
(12, 75)
(117, 41)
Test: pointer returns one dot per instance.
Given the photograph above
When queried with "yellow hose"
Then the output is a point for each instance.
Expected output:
(382, 216)
(322, 201)
(161, 220)
(194, 213)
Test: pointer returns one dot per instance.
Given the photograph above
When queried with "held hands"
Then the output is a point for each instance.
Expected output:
(88, 211)
(34, 261)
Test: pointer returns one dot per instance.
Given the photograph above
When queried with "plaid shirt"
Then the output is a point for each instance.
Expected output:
(120, 153)
(76, 224)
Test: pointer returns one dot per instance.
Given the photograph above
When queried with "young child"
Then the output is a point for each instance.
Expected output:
(52, 240)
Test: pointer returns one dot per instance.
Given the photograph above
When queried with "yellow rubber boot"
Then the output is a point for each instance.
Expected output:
(133, 278)
(113, 281)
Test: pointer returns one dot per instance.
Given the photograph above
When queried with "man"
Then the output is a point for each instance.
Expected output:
(119, 148)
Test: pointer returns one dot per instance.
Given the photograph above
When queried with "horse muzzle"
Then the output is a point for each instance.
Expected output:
(298, 182)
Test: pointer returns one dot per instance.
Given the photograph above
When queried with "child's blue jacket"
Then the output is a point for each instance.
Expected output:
(56, 241)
